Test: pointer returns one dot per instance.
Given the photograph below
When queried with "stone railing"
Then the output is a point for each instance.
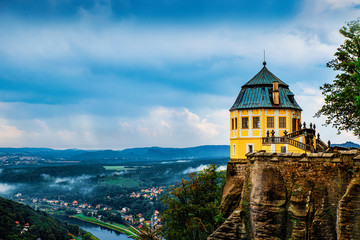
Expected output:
(284, 140)
(273, 140)
(301, 132)
(321, 144)
(333, 157)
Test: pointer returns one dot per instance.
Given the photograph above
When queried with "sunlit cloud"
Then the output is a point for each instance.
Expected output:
(172, 126)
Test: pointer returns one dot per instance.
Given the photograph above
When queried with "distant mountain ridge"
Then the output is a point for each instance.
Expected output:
(159, 153)
(348, 144)
(145, 153)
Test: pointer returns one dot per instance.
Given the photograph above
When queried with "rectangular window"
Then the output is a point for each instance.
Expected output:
(293, 124)
(256, 122)
(233, 149)
(282, 122)
(270, 122)
(283, 149)
(245, 122)
(250, 148)
(233, 123)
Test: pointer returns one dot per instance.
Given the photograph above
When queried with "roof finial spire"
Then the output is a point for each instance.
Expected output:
(264, 63)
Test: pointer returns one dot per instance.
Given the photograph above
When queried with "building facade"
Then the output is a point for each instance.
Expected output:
(266, 116)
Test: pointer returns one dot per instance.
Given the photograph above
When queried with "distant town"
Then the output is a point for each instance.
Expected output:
(100, 212)
(19, 159)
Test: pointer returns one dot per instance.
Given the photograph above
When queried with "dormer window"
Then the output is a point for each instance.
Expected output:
(291, 97)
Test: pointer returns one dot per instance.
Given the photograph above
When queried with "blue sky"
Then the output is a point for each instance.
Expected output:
(133, 73)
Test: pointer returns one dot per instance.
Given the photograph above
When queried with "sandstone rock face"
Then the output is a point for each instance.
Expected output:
(348, 218)
(275, 196)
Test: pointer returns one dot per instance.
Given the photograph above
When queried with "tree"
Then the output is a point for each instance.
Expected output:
(342, 96)
(147, 233)
(192, 207)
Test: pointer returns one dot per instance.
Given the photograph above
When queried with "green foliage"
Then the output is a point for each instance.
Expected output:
(40, 224)
(87, 236)
(192, 207)
(342, 96)
(146, 233)
(70, 211)
(109, 216)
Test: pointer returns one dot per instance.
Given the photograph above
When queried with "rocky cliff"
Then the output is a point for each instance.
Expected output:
(292, 196)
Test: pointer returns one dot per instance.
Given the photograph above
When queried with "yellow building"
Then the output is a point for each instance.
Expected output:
(265, 116)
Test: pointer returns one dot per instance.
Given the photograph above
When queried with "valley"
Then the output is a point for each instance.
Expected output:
(124, 193)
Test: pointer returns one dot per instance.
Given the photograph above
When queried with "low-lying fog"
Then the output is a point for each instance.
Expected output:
(78, 181)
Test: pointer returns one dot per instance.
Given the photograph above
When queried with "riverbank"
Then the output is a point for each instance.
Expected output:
(116, 227)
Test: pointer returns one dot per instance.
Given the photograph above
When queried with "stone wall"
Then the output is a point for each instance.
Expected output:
(292, 196)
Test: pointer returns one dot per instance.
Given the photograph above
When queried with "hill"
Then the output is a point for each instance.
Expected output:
(46, 156)
(348, 144)
(157, 153)
(22, 222)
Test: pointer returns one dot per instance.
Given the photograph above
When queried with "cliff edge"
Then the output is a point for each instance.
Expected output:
(292, 196)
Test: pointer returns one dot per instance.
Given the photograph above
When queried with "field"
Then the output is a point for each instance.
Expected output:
(118, 168)
(121, 181)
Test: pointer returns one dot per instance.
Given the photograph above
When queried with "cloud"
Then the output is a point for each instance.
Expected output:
(70, 50)
(222, 168)
(339, 4)
(311, 100)
(179, 161)
(118, 173)
(105, 78)
(172, 126)
(6, 188)
(9, 133)
(71, 183)
(71, 180)
(46, 177)
(197, 169)
(66, 180)
(202, 167)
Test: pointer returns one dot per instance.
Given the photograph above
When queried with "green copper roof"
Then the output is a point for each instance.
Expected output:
(264, 77)
(257, 93)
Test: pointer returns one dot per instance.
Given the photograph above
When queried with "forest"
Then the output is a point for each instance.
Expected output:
(20, 222)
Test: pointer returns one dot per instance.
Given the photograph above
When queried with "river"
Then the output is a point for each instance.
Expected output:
(96, 230)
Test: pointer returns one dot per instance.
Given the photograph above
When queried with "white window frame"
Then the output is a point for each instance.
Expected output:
(272, 148)
(286, 148)
(247, 147)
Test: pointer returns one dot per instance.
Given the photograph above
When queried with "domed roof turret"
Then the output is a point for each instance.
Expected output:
(264, 77)
(257, 93)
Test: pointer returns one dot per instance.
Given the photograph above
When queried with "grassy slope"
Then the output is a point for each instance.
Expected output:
(115, 226)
